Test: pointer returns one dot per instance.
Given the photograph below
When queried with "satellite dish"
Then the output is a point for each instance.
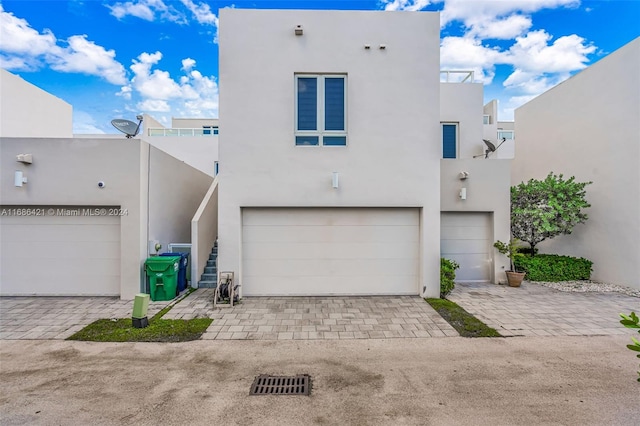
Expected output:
(127, 127)
(490, 147)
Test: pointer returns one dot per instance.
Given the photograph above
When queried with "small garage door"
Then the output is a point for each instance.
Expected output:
(466, 238)
(64, 252)
(322, 251)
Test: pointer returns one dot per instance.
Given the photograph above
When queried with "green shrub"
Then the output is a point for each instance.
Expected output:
(632, 321)
(447, 276)
(552, 267)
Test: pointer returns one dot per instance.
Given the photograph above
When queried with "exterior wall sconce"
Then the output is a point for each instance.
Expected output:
(367, 46)
(19, 179)
(463, 175)
(298, 30)
(24, 158)
(383, 46)
(335, 182)
(463, 193)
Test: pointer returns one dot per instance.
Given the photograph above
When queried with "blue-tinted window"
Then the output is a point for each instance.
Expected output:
(307, 103)
(334, 140)
(334, 103)
(307, 140)
(449, 140)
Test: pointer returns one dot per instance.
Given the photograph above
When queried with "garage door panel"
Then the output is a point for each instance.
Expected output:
(286, 251)
(42, 232)
(60, 254)
(465, 237)
(296, 286)
(463, 232)
(476, 267)
(463, 246)
(357, 250)
(329, 217)
(338, 234)
(77, 250)
(330, 267)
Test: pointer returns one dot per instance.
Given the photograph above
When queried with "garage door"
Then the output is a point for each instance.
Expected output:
(466, 238)
(321, 251)
(64, 252)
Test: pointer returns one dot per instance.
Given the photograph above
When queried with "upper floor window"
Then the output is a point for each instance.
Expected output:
(486, 119)
(505, 134)
(449, 140)
(208, 130)
(321, 117)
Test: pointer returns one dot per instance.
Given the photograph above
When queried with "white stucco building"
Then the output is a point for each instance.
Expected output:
(589, 127)
(333, 179)
(82, 221)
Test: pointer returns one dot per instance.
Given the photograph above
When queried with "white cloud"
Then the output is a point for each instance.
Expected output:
(24, 48)
(202, 12)
(188, 64)
(18, 37)
(533, 53)
(147, 10)
(190, 95)
(125, 92)
(465, 53)
(154, 105)
(84, 123)
(499, 28)
(410, 5)
(86, 57)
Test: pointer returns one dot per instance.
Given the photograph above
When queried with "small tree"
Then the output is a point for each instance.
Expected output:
(544, 209)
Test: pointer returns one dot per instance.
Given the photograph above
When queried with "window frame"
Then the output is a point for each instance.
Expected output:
(457, 127)
(500, 134)
(320, 131)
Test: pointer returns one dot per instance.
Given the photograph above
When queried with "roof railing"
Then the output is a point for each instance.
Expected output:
(456, 76)
(175, 131)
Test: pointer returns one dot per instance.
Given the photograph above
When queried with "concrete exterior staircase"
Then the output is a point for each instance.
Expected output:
(209, 278)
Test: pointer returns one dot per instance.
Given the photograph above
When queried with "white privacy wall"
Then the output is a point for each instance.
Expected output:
(589, 127)
(393, 148)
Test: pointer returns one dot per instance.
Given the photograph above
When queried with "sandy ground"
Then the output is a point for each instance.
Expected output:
(537, 381)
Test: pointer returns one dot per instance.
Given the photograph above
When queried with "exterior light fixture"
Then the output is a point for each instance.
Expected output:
(298, 30)
(383, 46)
(463, 175)
(335, 182)
(19, 179)
(24, 158)
(463, 193)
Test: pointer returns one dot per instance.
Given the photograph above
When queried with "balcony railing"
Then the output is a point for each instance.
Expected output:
(182, 132)
(454, 76)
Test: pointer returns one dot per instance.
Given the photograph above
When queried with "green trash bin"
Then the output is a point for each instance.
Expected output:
(162, 272)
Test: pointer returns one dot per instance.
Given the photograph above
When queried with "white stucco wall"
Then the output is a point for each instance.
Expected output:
(589, 127)
(199, 152)
(66, 172)
(462, 103)
(393, 153)
(487, 190)
(175, 192)
(28, 111)
(193, 123)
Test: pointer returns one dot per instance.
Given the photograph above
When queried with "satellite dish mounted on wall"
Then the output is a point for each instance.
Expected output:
(127, 127)
(490, 147)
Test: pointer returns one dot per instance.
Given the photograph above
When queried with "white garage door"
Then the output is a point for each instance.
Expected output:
(323, 251)
(466, 238)
(60, 254)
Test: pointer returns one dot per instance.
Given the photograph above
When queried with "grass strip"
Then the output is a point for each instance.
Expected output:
(465, 324)
(159, 330)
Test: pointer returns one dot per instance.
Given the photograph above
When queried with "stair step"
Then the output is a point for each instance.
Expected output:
(211, 263)
(209, 277)
(209, 269)
(207, 284)
(213, 256)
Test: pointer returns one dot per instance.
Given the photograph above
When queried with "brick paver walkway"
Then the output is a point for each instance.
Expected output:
(535, 310)
(59, 317)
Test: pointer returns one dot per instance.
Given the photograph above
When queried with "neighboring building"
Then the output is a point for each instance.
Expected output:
(589, 127)
(30, 112)
(89, 211)
(192, 140)
(333, 180)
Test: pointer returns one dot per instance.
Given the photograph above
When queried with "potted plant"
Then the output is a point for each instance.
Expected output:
(514, 278)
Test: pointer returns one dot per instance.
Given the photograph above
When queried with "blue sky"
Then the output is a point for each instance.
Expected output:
(116, 59)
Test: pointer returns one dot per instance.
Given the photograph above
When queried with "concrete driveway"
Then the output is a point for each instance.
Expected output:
(570, 380)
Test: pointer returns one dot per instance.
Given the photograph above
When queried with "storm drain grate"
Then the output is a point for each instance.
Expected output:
(281, 385)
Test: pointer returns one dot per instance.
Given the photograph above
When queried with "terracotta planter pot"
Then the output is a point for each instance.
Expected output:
(515, 278)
